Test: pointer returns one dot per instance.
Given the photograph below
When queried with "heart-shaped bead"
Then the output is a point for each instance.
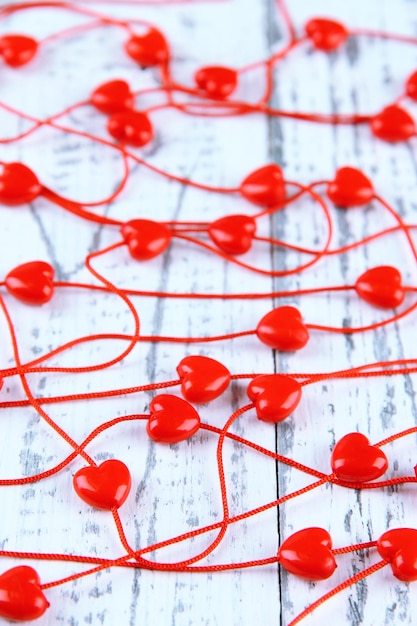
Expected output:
(172, 419)
(216, 81)
(113, 97)
(411, 86)
(202, 378)
(326, 34)
(283, 329)
(17, 50)
(393, 124)
(18, 185)
(275, 396)
(149, 49)
(265, 186)
(354, 459)
(399, 547)
(32, 282)
(146, 239)
(233, 233)
(381, 286)
(308, 553)
(105, 486)
(21, 596)
(131, 127)
(350, 188)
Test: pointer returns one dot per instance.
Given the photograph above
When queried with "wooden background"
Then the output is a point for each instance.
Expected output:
(175, 488)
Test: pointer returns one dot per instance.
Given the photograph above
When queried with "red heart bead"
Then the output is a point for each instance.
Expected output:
(172, 419)
(149, 49)
(32, 282)
(275, 396)
(307, 553)
(399, 547)
(18, 185)
(17, 50)
(265, 186)
(21, 597)
(105, 486)
(145, 238)
(233, 234)
(393, 124)
(113, 97)
(381, 286)
(350, 188)
(411, 86)
(355, 460)
(131, 127)
(283, 329)
(326, 34)
(202, 378)
(216, 81)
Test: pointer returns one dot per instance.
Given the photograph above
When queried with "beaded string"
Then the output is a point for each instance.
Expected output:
(268, 184)
(222, 434)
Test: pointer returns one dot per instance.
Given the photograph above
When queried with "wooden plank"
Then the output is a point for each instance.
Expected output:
(176, 487)
(364, 77)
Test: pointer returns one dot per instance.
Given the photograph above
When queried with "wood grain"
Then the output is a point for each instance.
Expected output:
(176, 487)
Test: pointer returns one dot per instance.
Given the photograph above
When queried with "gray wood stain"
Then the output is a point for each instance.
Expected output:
(176, 487)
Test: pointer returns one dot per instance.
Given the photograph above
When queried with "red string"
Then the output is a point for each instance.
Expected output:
(197, 103)
(347, 583)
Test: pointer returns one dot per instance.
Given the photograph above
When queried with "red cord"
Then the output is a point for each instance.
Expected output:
(194, 101)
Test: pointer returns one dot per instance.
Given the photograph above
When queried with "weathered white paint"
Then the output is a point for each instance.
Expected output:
(175, 487)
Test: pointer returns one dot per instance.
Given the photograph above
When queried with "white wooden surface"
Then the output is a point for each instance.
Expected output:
(175, 488)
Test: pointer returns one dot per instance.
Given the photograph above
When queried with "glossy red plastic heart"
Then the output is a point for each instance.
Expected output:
(131, 127)
(202, 378)
(355, 460)
(265, 186)
(326, 34)
(276, 396)
(32, 282)
(172, 419)
(350, 188)
(411, 86)
(105, 486)
(233, 234)
(17, 50)
(18, 185)
(399, 547)
(381, 286)
(308, 553)
(146, 239)
(149, 49)
(283, 329)
(393, 124)
(113, 97)
(216, 81)
(21, 596)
